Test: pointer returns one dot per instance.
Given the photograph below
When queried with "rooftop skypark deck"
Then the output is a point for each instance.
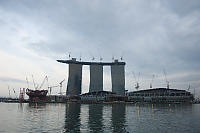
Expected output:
(74, 61)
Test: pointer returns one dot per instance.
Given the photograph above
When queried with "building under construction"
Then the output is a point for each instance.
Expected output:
(97, 94)
(96, 76)
(161, 95)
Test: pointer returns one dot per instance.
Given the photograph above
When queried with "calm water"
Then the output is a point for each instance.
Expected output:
(99, 118)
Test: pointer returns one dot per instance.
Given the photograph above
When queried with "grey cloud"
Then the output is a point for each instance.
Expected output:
(183, 7)
(150, 35)
(9, 79)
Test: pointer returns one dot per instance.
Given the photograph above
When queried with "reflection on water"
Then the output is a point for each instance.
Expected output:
(95, 117)
(94, 121)
(118, 118)
(23, 118)
(21, 106)
(72, 117)
(129, 118)
(36, 105)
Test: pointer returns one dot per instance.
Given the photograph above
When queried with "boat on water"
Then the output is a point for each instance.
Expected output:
(36, 95)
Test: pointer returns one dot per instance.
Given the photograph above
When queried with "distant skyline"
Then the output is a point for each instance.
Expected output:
(150, 36)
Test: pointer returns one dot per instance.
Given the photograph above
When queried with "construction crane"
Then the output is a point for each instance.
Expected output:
(100, 58)
(15, 93)
(121, 58)
(27, 82)
(9, 91)
(80, 57)
(189, 87)
(166, 78)
(34, 83)
(50, 88)
(69, 55)
(61, 86)
(93, 58)
(45, 78)
(137, 86)
(152, 80)
(113, 58)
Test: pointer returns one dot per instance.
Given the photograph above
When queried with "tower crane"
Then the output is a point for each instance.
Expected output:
(34, 83)
(50, 88)
(188, 87)
(100, 58)
(69, 54)
(137, 86)
(27, 82)
(152, 80)
(15, 93)
(45, 78)
(93, 58)
(80, 57)
(113, 58)
(61, 86)
(9, 91)
(166, 78)
(121, 58)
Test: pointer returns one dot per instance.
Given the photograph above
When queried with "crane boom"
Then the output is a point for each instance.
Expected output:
(137, 86)
(27, 82)
(9, 91)
(45, 78)
(138, 76)
(34, 83)
(50, 88)
(14, 92)
(152, 80)
(134, 77)
(61, 86)
(166, 78)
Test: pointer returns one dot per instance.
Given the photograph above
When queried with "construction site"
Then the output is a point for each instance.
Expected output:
(96, 93)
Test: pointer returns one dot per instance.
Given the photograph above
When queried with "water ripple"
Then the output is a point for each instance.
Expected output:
(117, 118)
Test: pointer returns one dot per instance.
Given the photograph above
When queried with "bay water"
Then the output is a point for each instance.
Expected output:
(116, 118)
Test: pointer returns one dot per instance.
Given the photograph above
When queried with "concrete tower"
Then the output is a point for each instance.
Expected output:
(96, 77)
(118, 79)
(74, 80)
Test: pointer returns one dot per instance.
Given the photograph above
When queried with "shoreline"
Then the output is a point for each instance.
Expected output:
(113, 102)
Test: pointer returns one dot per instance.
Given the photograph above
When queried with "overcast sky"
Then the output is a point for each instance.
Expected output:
(151, 35)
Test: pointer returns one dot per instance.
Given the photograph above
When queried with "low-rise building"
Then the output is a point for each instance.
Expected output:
(160, 95)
